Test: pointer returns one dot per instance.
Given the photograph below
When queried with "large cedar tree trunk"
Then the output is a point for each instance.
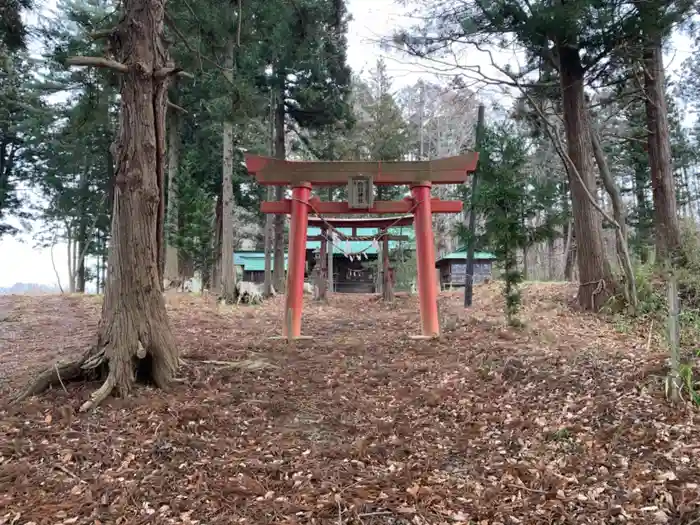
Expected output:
(134, 334)
(278, 241)
(228, 270)
(667, 228)
(596, 282)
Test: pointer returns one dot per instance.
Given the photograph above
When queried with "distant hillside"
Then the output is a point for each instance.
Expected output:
(29, 289)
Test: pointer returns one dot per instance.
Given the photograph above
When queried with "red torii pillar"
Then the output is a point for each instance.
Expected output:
(418, 175)
(425, 259)
(294, 298)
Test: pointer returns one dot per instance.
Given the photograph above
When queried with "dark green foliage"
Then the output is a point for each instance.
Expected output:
(22, 116)
(405, 266)
(381, 131)
(635, 159)
(77, 168)
(297, 47)
(305, 46)
(381, 123)
(607, 37)
(13, 33)
(195, 234)
(593, 26)
(503, 199)
(78, 164)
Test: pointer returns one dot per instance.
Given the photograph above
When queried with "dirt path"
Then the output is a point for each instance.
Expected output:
(560, 422)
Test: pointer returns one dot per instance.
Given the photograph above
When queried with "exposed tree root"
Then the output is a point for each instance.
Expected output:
(243, 364)
(52, 376)
(87, 367)
(100, 394)
(120, 361)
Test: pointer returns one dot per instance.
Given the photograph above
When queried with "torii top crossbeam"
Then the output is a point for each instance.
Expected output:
(275, 172)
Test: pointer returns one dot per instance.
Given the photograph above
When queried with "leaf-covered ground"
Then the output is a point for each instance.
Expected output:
(562, 421)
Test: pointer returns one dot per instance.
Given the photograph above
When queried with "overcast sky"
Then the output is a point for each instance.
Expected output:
(372, 19)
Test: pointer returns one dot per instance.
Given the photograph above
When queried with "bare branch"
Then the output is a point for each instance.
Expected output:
(171, 24)
(167, 71)
(103, 33)
(443, 67)
(174, 106)
(53, 265)
(97, 62)
(561, 149)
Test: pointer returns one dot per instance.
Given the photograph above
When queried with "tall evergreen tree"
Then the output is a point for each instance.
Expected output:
(652, 26)
(563, 42)
(23, 115)
(381, 129)
(78, 178)
(305, 50)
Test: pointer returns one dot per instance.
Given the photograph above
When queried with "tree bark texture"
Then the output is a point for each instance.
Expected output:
(172, 261)
(642, 230)
(667, 227)
(279, 220)
(134, 325)
(160, 220)
(570, 256)
(134, 334)
(268, 235)
(387, 285)
(218, 226)
(619, 214)
(228, 270)
(82, 240)
(596, 282)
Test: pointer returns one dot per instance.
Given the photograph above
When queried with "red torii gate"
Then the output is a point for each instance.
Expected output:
(419, 175)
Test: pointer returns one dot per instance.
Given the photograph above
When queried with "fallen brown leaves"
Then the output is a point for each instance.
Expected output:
(563, 421)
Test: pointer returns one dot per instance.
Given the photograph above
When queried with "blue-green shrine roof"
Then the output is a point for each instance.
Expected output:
(461, 253)
(351, 247)
(255, 261)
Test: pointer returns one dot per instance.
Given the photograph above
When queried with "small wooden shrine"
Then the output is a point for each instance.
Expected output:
(330, 234)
